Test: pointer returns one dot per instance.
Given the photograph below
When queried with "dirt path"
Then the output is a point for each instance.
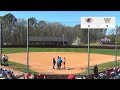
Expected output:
(42, 61)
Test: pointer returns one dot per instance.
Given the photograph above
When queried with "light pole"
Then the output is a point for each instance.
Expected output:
(63, 39)
(27, 56)
(88, 50)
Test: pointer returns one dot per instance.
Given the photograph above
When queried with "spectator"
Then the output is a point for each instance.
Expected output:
(115, 70)
(106, 75)
(12, 74)
(96, 71)
(6, 72)
(108, 72)
(28, 75)
(4, 59)
(118, 71)
(101, 75)
(3, 73)
(32, 76)
(41, 76)
(71, 76)
(9, 77)
(112, 73)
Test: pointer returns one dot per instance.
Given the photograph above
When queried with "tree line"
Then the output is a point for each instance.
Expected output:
(14, 30)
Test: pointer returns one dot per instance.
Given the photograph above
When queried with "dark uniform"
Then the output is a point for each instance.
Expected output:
(54, 62)
(96, 71)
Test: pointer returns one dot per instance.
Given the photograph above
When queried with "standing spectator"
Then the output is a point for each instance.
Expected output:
(96, 71)
(64, 60)
(4, 59)
(54, 62)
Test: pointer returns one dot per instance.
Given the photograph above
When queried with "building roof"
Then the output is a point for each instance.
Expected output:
(105, 39)
(47, 39)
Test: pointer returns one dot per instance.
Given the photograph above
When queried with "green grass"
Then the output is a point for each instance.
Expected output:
(84, 50)
(19, 67)
(13, 50)
(102, 67)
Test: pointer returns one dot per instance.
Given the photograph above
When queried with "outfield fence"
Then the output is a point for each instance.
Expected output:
(54, 46)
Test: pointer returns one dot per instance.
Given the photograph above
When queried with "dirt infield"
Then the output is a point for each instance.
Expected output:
(76, 62)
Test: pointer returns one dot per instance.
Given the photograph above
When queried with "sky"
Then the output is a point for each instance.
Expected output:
(68, 18)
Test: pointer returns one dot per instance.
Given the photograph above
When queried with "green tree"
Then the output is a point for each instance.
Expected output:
(8, 22)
